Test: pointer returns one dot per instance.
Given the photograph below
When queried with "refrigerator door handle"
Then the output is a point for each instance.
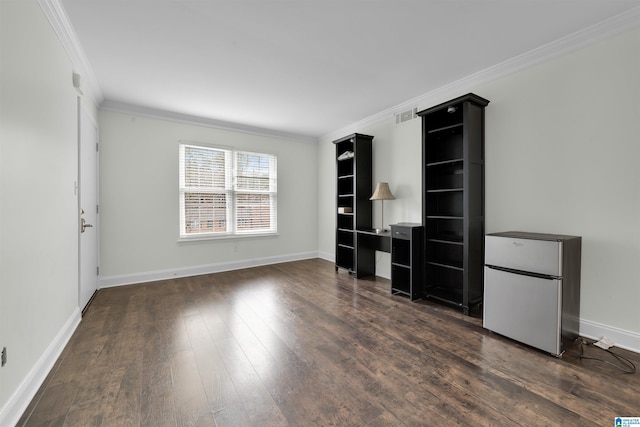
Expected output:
(524, 273)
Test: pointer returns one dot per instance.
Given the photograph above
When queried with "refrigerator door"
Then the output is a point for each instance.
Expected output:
(524, 308)
(535, 256)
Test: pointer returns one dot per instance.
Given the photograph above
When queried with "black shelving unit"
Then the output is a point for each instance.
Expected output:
(453, 200)
(406, 260)
(353, 189)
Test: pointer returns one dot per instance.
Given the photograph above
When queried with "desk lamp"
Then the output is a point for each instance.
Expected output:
(382, 193)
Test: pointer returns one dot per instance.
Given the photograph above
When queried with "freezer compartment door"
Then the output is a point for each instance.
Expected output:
(524, 308)
(536, 256)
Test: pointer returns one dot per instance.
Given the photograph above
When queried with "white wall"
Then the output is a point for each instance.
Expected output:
(561, 154)
(561, 157)
(139, 201)
(38, 205)
(397, 152)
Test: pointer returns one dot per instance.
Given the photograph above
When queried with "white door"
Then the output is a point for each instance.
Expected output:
(88, 204)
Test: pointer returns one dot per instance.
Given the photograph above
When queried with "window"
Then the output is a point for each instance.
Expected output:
(226, 192)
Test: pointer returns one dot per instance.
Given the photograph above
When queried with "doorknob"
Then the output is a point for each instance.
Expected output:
(84, 224)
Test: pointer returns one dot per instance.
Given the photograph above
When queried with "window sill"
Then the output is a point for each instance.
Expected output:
(225, 237)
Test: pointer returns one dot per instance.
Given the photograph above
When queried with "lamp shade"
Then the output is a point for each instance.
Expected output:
(382, 192)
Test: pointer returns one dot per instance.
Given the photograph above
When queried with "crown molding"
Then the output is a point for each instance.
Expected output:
(613, 26)
(55, 13)
(137, 110)
(626, 21)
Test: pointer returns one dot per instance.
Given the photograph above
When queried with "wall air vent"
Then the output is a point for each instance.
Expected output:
(405, 116)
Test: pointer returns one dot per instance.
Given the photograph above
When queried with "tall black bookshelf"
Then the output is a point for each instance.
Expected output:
(353, 189)
(453, 200)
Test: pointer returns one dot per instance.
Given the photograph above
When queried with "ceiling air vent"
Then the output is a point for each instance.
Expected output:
(405, 116)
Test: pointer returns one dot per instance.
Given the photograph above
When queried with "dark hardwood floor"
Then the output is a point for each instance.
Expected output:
(298, 344)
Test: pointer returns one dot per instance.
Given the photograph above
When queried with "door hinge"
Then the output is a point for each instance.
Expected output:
(97, 145)
(97, 271)
(97, 209)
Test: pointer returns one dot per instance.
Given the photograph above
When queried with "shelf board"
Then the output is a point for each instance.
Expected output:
(348, 230)
(349, 268)
(346, 195)
(446, 295)
(447, 162)
(345, 176)
(395, 291)
(456, 125)
(444, 217)
(443, 265)
(445, 190)
(408, 267)
(446, 241)
(346, 214)
(345, 246)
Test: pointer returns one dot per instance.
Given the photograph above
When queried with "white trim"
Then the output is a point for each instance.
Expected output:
(620, 23)
(152, 113)
(622, 338)
(588, 329)
(227, 236)
(327, 256)
(152, 276)
(84, 112)
(59, 20)
(55, 13)
(17, 404)
(592, 34)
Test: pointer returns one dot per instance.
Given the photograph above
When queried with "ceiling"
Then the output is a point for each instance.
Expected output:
(308, 67)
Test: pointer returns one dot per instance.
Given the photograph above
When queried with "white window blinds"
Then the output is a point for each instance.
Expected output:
(226, 192)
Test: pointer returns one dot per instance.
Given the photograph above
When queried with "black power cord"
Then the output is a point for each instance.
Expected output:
(627, 366)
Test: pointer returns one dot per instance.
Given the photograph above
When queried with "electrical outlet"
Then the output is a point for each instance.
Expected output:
(4, 356)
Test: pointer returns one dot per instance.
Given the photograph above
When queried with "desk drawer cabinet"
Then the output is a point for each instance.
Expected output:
(406, 260)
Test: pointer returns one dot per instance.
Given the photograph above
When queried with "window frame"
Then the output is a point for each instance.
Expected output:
(231, 192)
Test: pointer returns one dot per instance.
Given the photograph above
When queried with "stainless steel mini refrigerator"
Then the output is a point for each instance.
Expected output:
(532, 288)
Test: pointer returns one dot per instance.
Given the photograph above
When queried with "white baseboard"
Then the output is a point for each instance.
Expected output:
(328, 256)
(152, 276)
(16, 405)
(588, 329)
(623, 339)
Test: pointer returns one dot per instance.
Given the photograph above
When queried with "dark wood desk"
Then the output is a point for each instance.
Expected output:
(367, 243)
